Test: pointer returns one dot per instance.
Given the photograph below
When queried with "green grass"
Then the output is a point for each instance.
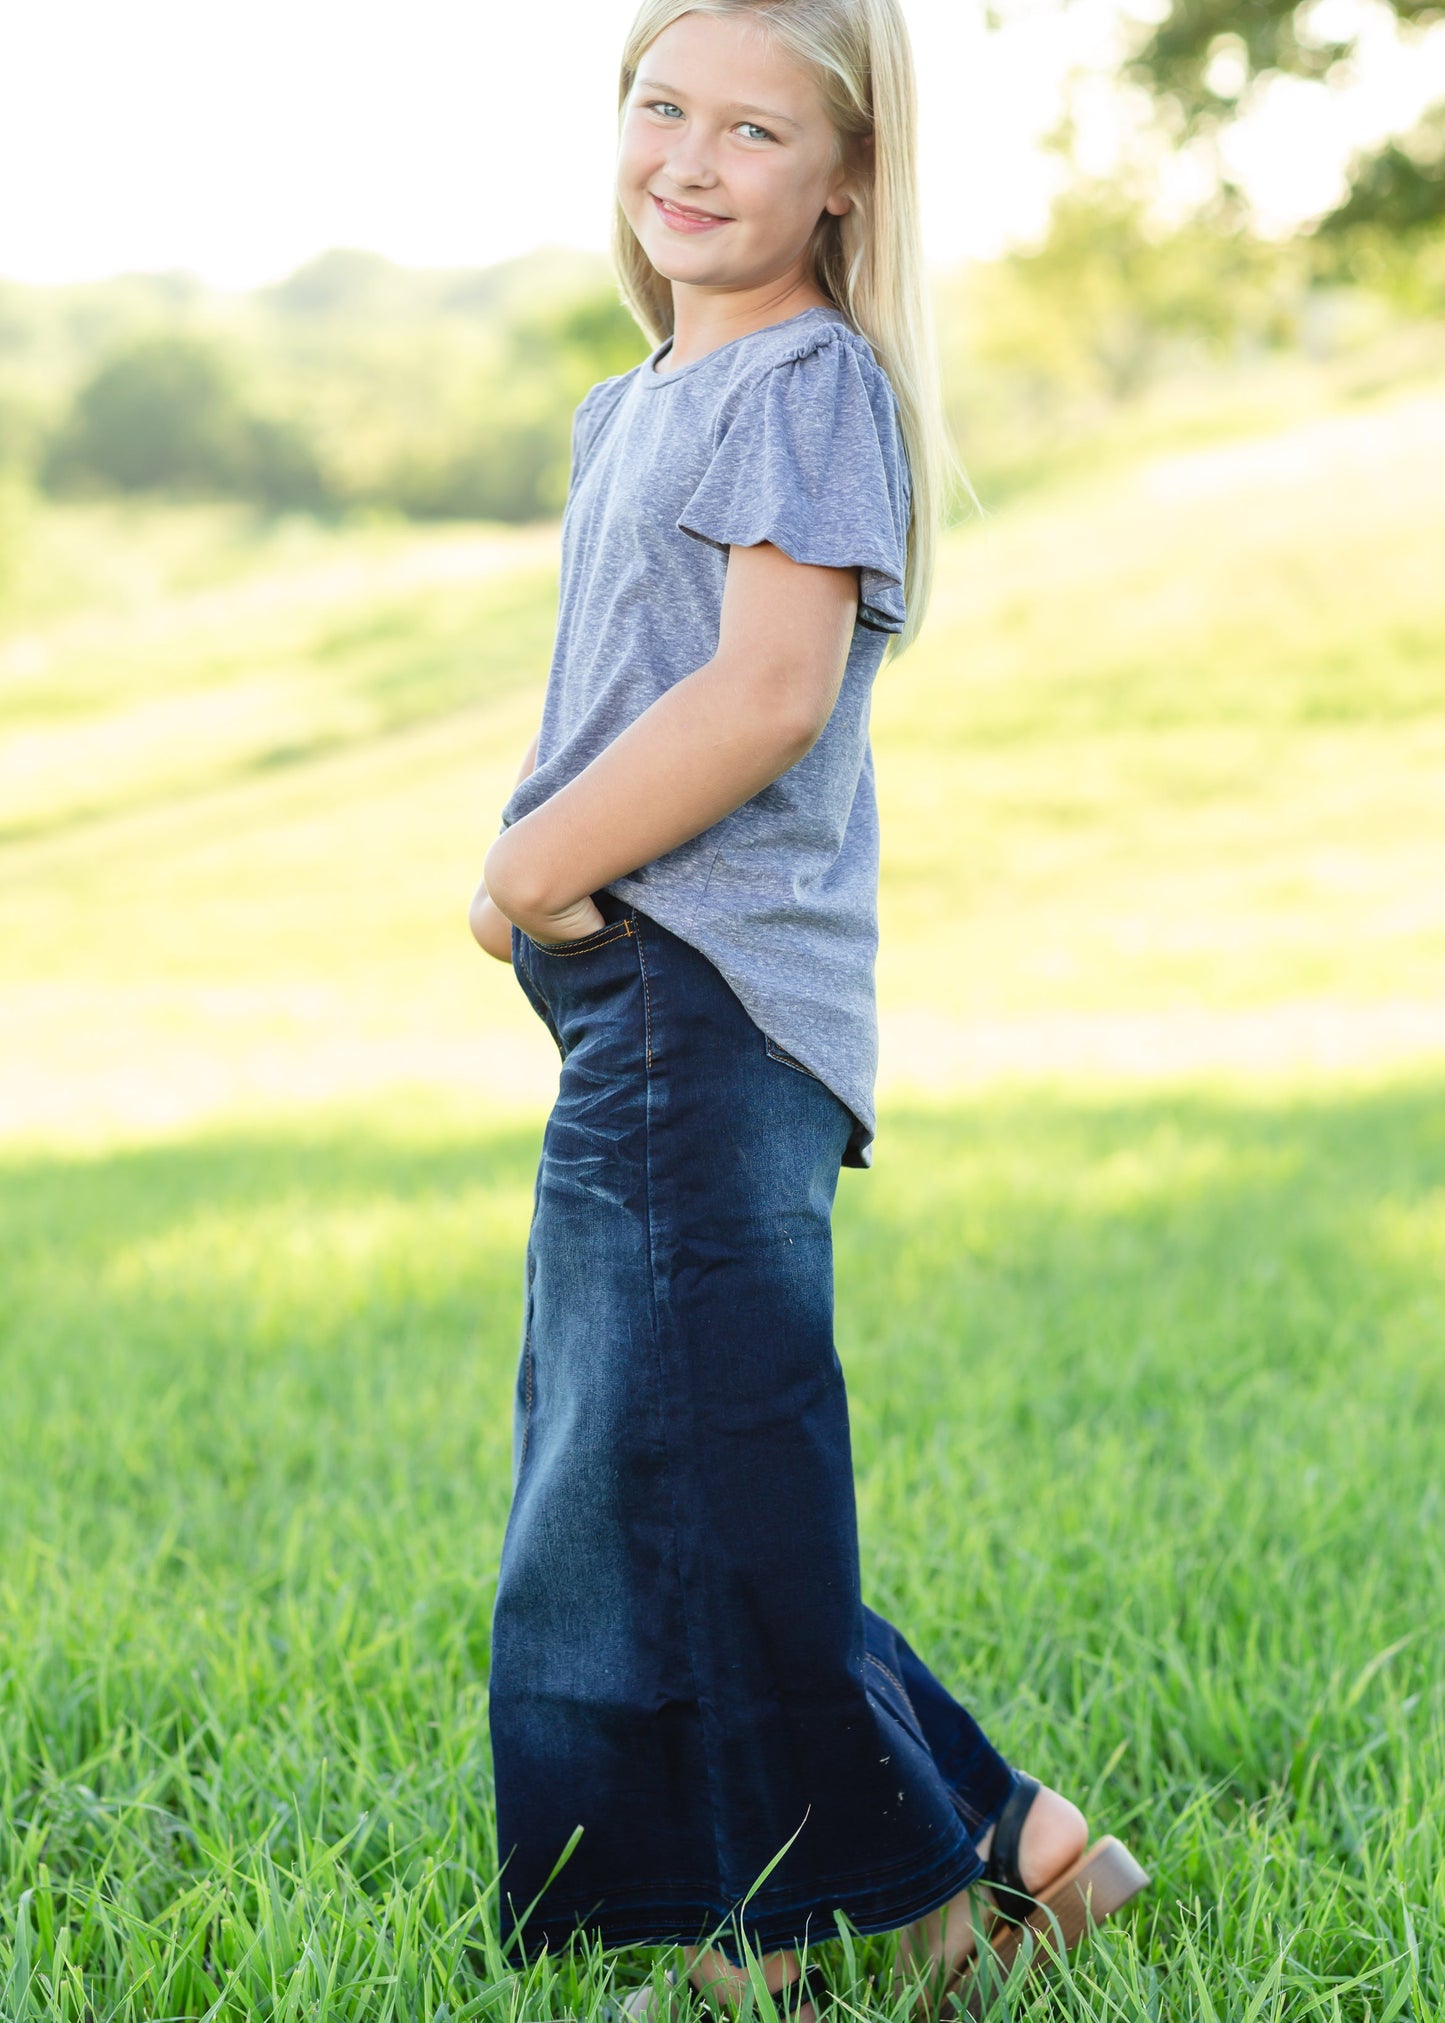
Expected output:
(1142, 1307)
(1146, 1397)
(325, 644)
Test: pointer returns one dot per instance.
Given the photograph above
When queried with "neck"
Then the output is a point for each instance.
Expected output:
(704, 318)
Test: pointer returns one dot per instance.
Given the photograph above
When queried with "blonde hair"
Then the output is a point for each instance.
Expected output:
(869, 262)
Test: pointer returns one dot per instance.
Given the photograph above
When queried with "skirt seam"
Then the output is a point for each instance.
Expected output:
(531, 1269)
(647, 1044)
(648, 1099)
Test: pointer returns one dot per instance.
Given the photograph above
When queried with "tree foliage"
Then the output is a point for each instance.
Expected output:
(1181, 54)
(358, 385)
(167, 412)
(355, 383)
(1041, 349)
(1400, 189)
(1203, 56)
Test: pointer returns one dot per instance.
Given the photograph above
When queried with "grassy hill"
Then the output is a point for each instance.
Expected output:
(1161, 784)
(1142, 1306)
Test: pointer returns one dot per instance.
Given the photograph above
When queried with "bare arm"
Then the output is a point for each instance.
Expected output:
(708, 744)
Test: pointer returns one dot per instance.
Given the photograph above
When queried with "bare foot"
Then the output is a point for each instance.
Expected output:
(1054, 1835)
(715, 1976)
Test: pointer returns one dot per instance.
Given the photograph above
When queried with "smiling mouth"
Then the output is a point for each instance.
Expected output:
(685, 211)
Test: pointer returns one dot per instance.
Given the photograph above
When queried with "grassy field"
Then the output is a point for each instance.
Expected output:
(1142, 1306)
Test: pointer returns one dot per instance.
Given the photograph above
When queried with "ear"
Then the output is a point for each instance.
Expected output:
(840, 201)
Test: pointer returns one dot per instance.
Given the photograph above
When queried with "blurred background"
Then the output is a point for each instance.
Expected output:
(1141, 1307)
(288, 354)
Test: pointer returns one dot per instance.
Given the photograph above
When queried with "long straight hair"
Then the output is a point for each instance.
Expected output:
(869, 262)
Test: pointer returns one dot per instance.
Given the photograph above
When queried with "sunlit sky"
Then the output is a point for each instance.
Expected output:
(237, 140)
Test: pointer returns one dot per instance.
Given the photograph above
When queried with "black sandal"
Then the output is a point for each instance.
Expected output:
(807, 1986)
(1103, 1879)
(1012, 1901)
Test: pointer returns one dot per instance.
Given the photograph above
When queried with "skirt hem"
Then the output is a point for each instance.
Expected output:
(655, 1923)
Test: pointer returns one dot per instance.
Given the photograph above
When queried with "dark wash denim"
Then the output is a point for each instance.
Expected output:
(682, 1662)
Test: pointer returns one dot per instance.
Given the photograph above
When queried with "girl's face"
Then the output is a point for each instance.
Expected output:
(721, 122)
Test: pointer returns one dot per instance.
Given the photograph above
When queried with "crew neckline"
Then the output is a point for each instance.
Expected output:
(652, 378)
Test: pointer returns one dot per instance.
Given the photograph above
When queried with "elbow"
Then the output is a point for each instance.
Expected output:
(799, 723)
(791, 716)
(798, 742)
(510, 881)
(790, 705)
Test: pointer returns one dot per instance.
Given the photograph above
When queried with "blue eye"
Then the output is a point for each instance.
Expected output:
(756, 128)
(657, 102)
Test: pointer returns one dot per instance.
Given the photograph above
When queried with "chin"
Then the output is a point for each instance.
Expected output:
(672, 268)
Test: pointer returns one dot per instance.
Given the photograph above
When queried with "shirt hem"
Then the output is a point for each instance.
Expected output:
(859, 1149)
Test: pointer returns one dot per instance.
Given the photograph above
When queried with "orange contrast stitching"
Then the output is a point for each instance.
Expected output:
(787, 1060)
(646, 997)
(580, 947)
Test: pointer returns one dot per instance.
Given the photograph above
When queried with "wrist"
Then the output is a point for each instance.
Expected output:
(491, 930)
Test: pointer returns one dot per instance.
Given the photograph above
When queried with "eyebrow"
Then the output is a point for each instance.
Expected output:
(654, 84)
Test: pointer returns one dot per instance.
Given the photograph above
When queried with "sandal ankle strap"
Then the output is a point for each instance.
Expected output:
(1001, 1870)
(807, 1986)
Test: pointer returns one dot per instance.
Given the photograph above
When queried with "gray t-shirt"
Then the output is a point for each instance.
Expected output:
(788, 434)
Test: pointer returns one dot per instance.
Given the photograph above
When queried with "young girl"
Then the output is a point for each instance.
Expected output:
(685, 883)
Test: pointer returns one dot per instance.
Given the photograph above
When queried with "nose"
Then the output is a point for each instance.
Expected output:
(689, 162)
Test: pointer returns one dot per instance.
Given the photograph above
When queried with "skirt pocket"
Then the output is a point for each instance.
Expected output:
(613, 931)
(777, 1053)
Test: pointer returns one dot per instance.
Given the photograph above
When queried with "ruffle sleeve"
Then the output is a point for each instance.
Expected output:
(812, 459)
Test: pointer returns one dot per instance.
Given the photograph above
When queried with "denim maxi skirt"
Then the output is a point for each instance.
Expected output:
(682, 1663)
